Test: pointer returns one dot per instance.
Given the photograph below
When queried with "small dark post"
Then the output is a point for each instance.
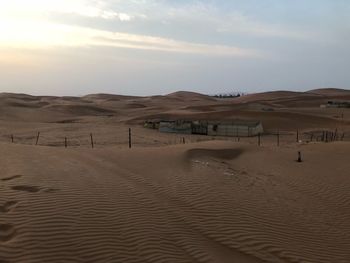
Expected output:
(129, 137)
(312, 137)
(259, 139)
(37, 138)
(327, 136)
(299, 157)
(323, 136)
(297, 135)
(12, 138)
(92, 141)
(65, 142)
(183, 140)
(278, 138)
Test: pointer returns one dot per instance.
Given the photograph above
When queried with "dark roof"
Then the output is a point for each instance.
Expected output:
(249, 123)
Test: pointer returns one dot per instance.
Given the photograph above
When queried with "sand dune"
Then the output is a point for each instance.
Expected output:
(212, 202)
(330, 92)
(209, 200)
(80, 110)
(179, 105)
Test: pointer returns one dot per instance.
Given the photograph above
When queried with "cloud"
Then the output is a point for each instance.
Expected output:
(84, 8)
(35, 34)
(238, 23)
(123, 40)
(197, 14)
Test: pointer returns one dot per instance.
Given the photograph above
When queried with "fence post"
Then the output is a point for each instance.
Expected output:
(65, 142)
(12, 138)
(37, 138)
(278, 138)
(297, 135)
(183, 140)
(129, 137)
(259, 139)
(299, 157)
(92, 141)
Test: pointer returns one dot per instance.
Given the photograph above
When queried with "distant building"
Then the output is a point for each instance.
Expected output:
(237, 128)
(152, 124)
(336, 104)
(178, 126)
(234, 128)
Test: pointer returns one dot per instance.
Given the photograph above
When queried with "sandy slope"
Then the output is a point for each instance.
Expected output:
(270, 107)
(163, 201)
(205, 202)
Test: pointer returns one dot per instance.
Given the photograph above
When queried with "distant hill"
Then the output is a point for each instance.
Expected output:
(108, 97)
(189, 95)
(330, 92)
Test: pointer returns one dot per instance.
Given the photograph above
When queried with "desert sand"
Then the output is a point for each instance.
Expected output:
(208, 200)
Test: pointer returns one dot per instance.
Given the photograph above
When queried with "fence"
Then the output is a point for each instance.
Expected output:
(129, 137)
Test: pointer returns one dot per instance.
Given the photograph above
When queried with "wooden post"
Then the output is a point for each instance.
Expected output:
(297, 135)
(323, 136)
(12, 138)
(327, 136)
(65, 142)
(299, 157)
(312, 137)
(37, 138)
(259, 139)
(183, 140)
(278, 138)
(130, 138)
(92, 141)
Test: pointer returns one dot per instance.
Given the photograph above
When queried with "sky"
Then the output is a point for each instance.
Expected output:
(148, 47)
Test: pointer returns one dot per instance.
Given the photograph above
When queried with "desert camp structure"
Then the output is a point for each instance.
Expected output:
(234, 128)
(336, 104)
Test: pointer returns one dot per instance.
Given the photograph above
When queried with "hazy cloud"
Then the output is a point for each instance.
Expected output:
(43, 8)
(24, 34)
(81, 46)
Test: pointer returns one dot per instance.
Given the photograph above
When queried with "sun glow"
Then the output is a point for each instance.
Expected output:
(25, 24)
(29, 25)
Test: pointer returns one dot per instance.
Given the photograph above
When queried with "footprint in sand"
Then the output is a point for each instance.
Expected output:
(33, 189)
(8, 206)
(11, 177)
(7, 232)
(26, 188)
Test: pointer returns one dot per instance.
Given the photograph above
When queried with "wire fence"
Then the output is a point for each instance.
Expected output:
(142, 137)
